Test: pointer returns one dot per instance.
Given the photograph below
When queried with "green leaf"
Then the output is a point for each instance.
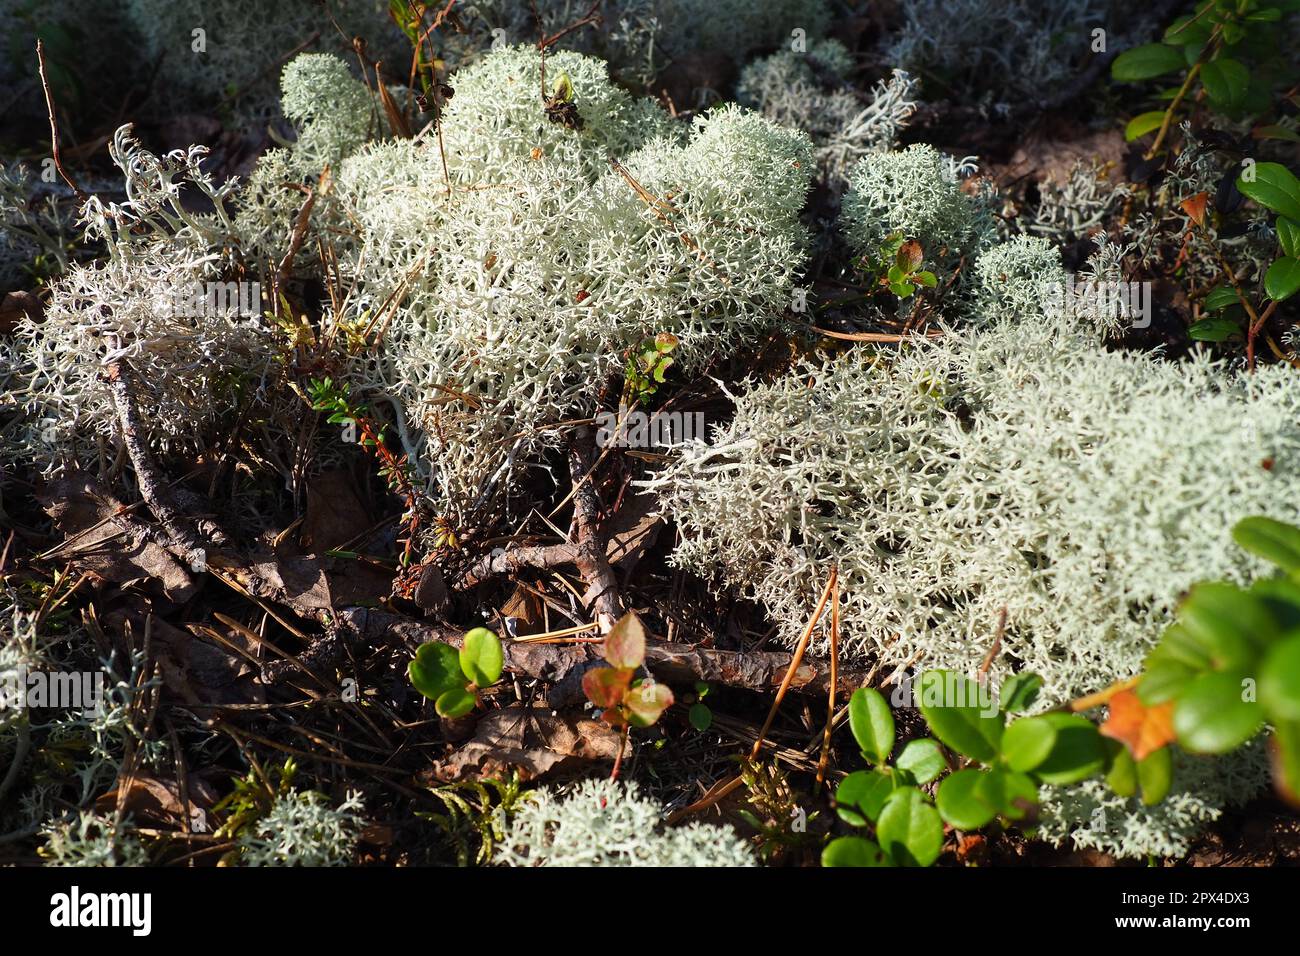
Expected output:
(1286, 752)
(960, 802)
(435, 669)
(1279, 681)
(1013, 794)
(1078, 752)
(1145, 62)
(1273, 131)
(1213, 330)
(1274, 186)
(926, 279)
(1230, 624)
(625, 642)
(646, 702)
(1142, 124)
(1220, 297)
(853, 851)
(700, 716)
(1225, 82)
(481, 658)
(909, 829)
(1288, 236)
(1019, 691)
(456, 702)
(902, 289)
(954, 707)
(1282, 279)
(1267, 15)
(1027, 742)
(1272, 540)
(1186, 31)
(923, 759)
(1163, 679)
(1122, 778)
(1155, 773)
(1211, 716)
(872, 723)
(861, 795)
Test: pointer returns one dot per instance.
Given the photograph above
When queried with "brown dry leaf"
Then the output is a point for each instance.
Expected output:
(1142, 729)
(1194, 206)
(15, 306)
(532, 741)
(78, 503)
(152, 801)
(632, 530)
(335, 513)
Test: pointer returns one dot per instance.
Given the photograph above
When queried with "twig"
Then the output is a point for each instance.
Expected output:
(997, 645)
(719, 791)
(153, 487)
(603, 594)
(54, 126)
(830, 692)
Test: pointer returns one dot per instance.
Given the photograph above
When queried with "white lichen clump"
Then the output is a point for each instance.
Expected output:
(1016, 466)
(510, 304)
(1092, 816)
(915, 193)
(302, 829)
(600, 823)
(92, 839)
(810, 91)
(194, 347)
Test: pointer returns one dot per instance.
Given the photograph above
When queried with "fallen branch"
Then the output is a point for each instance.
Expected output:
(603, 595)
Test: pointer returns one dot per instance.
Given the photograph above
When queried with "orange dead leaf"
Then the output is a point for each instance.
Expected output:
(1142, 729)
(1195, 207)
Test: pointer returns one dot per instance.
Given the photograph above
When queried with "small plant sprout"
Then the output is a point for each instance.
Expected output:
(700, 716)
(898, 267)
(647, 366)
(453, 679)
(624, 700)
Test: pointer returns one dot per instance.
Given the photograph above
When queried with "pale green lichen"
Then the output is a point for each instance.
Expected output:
(302, 829)
(1091, 816)
(809, 91)
(601, 823)
(522, 291)
(1015, 467)
(92, 839)
(914, 193)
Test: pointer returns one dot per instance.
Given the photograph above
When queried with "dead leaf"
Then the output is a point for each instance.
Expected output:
(16, 305)
(1195, 207)
(530, 740)
(152, 801)
(1142, 729)
(78, 503)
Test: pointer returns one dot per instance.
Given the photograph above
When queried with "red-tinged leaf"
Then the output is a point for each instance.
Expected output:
(1142, 729)
(909, 256)
(1195, 207)
(625, 643)
(606, 686)
(647, 702)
